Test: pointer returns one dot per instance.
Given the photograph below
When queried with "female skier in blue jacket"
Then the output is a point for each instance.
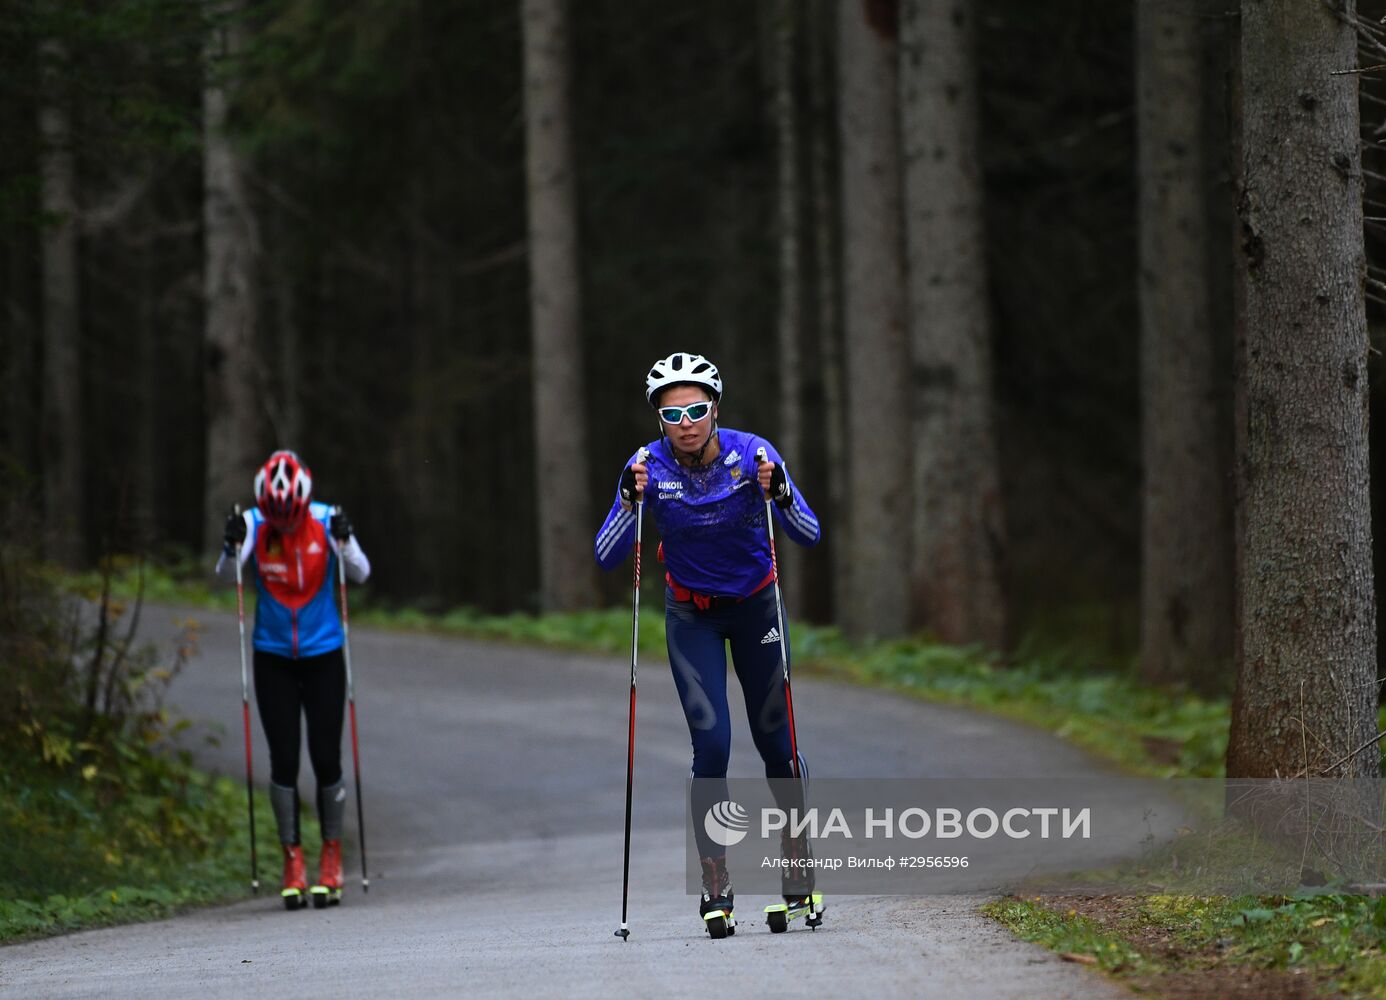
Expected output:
(707, 493)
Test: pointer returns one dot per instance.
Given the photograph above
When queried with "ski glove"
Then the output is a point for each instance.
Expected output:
(234, 534)
(340, 525)
(779, 487)
(628, 491)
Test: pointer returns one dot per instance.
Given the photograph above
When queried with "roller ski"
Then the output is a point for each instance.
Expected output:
(328, 890)
(797, 886)
(295, 883)
(718, 898)
(779, 915)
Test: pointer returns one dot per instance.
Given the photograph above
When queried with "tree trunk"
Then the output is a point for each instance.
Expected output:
(288, 413)
(958, 529)
(1220, 53)
(1239, 292)
(790, 319)
(22, 367)
(827, 297)
(147, 467)
(63, 500)
(230, 286)
(1306, 674)
(290, 363)
(877, 347)
(560, 430)
(1186, 566)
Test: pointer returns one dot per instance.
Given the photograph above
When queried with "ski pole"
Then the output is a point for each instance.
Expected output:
(624, 932)
(779, 620)
(351, 705)
(245, 715)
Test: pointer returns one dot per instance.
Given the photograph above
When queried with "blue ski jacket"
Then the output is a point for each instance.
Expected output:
(711, 518)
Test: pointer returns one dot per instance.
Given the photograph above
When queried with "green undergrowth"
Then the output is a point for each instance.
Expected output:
(180, 581)
(1184, 914)
(1067, 933)
(1339, 940)
(78, 853)
(103, 816)
(1146, 730)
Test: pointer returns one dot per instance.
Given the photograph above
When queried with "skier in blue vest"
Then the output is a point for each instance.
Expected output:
(707, 493)
(293, 544)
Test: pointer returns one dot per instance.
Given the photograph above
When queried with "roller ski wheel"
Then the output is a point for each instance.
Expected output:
(719, 924)
(779, 915)
(324, 896)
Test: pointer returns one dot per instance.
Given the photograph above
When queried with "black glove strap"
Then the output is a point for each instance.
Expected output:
(779, 487)
(628, 491)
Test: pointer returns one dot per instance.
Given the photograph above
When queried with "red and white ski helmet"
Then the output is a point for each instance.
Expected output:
(682, 368)
(283, 490)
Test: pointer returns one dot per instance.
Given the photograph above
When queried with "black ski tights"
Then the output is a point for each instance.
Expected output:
(311, 686)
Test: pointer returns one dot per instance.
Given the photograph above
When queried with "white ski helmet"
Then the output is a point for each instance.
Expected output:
(681, 368)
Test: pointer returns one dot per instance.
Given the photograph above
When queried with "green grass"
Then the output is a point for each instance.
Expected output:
(103, 817)
(79, 852)
(1338, 939)
(1067, 933)
(1146, 730)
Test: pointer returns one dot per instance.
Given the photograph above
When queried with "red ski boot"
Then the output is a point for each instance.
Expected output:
(329, 887)
(295, 878)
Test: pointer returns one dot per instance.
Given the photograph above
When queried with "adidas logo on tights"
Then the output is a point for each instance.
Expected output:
(772, 636)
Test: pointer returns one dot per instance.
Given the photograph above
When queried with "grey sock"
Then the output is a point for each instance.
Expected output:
(331, 808)
(285, 802)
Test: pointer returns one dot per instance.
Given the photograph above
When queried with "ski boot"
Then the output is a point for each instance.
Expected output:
(295, 878)
(328, 890)
(716, 904)
(796, 884)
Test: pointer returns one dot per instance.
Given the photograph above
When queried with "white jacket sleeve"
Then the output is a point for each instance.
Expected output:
(358, 567)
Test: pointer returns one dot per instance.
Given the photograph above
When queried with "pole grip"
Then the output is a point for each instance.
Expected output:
(763, 456)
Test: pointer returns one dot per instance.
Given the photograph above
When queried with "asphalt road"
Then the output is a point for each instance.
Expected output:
(494, 790)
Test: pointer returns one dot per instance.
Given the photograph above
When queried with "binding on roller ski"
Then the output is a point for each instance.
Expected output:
(722, 590)
(797, 885)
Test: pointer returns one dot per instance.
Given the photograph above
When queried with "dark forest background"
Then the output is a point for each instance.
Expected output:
(392, 350)
(388, 146)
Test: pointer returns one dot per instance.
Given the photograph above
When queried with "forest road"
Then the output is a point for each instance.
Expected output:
(494, 781)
